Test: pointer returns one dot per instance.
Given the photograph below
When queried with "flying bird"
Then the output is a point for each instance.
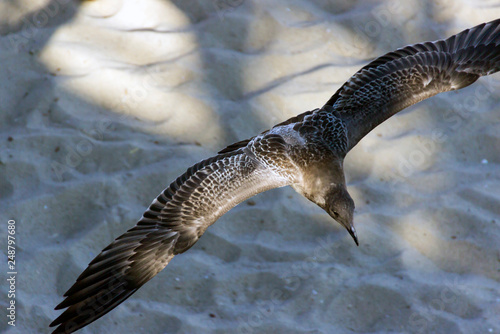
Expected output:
(306, 152)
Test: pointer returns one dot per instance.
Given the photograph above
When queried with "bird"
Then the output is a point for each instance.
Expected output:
(305, 152)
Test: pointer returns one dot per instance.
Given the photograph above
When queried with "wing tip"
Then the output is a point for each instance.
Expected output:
(79, 315)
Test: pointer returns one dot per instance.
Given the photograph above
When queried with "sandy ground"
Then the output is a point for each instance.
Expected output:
(104, 103)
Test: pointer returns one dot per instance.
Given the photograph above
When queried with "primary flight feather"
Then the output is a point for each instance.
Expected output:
(305, 152)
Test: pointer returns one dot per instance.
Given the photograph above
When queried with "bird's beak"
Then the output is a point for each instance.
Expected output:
(348, 226)
(352, 232)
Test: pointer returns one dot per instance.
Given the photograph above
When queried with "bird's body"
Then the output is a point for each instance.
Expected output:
(305, 152)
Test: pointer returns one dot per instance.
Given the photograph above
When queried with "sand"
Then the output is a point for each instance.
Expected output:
(104, 103)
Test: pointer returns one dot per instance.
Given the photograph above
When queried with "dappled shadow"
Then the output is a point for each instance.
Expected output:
(223, 62)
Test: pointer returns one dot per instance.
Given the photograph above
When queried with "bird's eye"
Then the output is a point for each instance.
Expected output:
(335, 213)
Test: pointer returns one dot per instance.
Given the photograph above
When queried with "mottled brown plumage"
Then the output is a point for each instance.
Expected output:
(306, 152)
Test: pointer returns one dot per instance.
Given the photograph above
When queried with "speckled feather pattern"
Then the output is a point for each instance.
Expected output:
(172, 224)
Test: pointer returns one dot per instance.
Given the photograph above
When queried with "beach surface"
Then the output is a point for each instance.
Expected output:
(104, 103)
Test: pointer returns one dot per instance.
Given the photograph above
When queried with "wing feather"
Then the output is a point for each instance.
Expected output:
(172, 224)
(411, 74)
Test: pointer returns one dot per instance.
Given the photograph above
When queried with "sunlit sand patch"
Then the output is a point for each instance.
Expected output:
(129, 74)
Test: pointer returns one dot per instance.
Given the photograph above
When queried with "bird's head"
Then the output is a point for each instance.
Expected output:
(340, 206)
(324, 184)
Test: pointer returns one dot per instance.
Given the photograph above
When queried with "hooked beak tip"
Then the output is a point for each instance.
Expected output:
(353, 234)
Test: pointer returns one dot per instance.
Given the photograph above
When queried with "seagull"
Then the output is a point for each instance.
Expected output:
(305, 152)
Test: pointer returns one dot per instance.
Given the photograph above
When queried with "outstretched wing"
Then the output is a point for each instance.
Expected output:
(172, 224)
(413, 73)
